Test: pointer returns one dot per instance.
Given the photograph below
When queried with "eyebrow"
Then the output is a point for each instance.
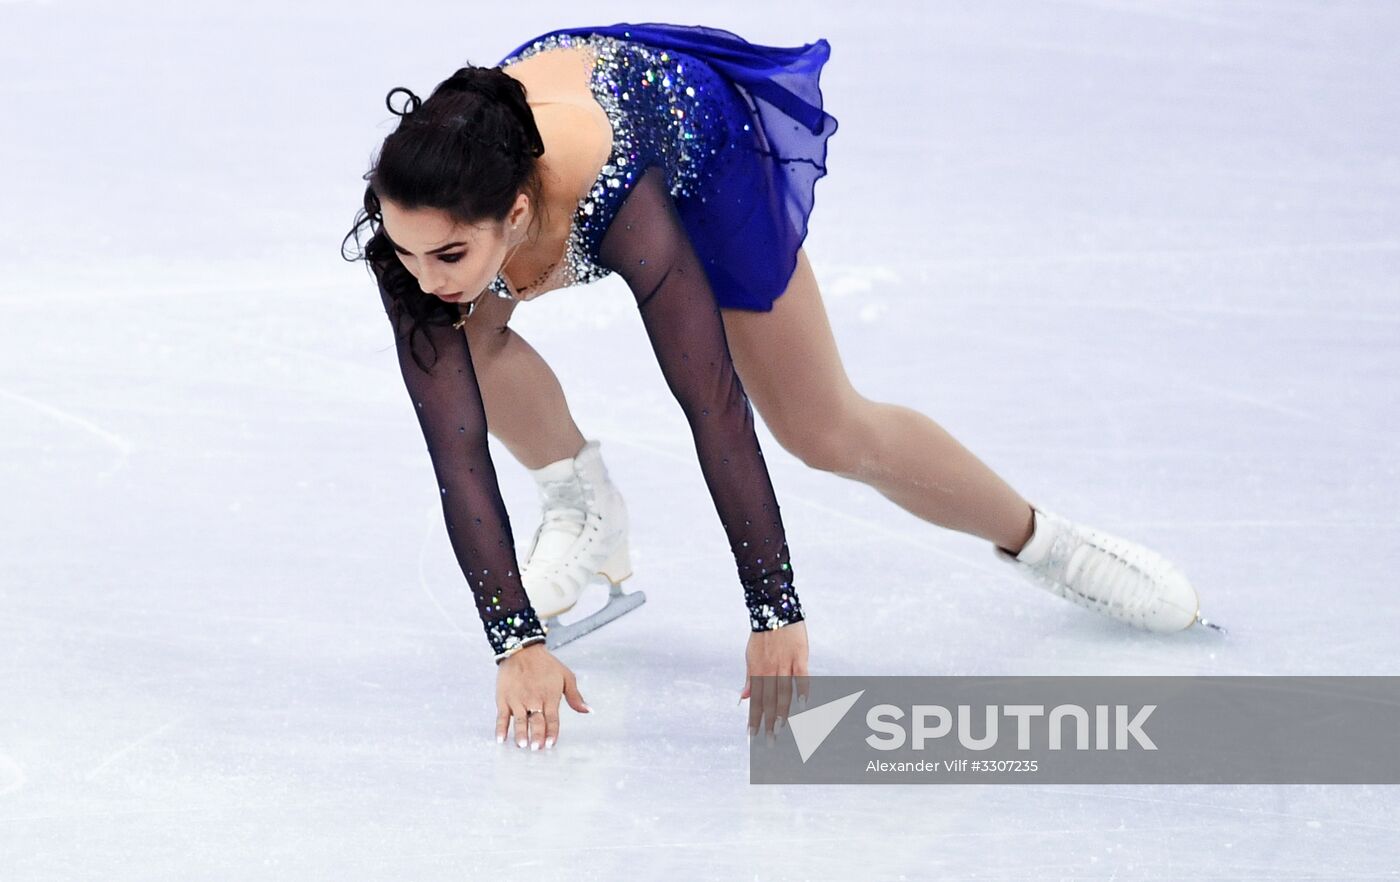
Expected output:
(438, 250)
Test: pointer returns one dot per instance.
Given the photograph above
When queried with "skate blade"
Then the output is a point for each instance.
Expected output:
(1206, 623)
(619, 604)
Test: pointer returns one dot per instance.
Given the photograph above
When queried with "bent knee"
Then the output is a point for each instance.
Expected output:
(827, 441)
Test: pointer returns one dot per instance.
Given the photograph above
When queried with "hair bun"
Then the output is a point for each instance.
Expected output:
(501, 88)
(486, 80)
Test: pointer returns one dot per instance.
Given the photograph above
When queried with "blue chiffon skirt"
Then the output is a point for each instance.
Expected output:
(747, 215)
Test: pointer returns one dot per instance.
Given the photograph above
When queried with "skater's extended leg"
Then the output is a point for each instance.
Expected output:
(525, 405)
(790, 367)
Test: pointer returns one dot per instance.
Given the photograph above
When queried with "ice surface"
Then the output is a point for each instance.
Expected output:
(1141, 257)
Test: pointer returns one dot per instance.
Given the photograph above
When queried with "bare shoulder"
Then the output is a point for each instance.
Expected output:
(557, 74)
(577, 141)
(576, 131)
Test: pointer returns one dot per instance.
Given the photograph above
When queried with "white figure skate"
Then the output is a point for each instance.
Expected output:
(1108, 574)
(582, 535)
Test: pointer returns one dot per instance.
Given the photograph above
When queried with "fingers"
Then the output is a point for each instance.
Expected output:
(757, 687)
(536, 723)
(782, 702)
(777, 685)
(771, 703)
(551, 722)
(530, 727)
(502, 723)
(803, 682)
(572, 695)
(522, 725)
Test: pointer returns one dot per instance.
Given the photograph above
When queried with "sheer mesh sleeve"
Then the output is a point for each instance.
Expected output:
(453, 418)
(647, 246)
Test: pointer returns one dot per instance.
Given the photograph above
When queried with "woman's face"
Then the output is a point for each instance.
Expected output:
(451, 260)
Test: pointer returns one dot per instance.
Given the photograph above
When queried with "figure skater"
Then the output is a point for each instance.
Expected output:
(684, 159)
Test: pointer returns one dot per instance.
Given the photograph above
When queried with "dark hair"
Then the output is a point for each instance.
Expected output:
(467, 150)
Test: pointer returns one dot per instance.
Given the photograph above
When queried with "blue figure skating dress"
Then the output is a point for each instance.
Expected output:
(702, 204)
(739, 129)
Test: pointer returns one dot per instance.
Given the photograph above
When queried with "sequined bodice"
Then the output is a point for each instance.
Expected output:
(650, 98)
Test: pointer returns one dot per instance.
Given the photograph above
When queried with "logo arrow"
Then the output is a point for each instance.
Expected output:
(810, 728)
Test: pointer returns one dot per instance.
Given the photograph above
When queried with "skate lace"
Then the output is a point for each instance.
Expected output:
(565, 513)
(1103, 571)
(565, 504)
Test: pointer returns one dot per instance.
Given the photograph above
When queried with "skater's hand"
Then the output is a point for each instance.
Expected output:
(781, 652)
(532, 679)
